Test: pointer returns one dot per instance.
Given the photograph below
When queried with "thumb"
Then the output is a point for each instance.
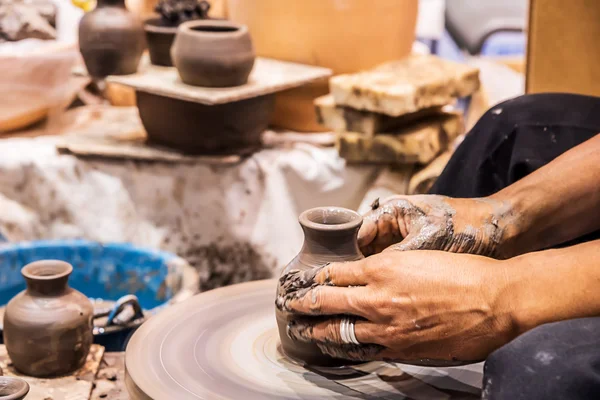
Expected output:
(380, 229)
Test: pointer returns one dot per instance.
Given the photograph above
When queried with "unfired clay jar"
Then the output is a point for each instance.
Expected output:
(213, 53)
(48, 326)
(329, 236)
(160, 38)
(111, 39)
(195, 128)
(346, 36)
(12, 388)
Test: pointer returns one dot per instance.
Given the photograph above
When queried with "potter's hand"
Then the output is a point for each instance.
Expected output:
(431, 222)
(411, 306)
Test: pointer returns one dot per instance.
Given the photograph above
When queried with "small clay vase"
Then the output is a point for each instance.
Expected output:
(213, 53)
(12, 388)
(330, 235)
(48, 326)
(111, 39)
(160, 38)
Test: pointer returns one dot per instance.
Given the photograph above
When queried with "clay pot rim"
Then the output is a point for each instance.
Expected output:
(353, 219)
(63, 269)
(152, 25)
(188, 27)
(21, 385)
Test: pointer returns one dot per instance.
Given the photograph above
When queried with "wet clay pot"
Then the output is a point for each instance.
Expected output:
(160, 38)
(213, 53)
(111, 39)
(48, 326)
(330, 235)
(12, 388)
(198, 129)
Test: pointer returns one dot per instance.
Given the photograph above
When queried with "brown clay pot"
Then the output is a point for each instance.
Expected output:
(195, 128)
(12, 388)
(111, 39)
(160, 38)
(48, 326)
(213, 53)
(329, 236)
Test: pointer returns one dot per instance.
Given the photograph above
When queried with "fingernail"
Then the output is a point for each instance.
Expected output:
(288, 331)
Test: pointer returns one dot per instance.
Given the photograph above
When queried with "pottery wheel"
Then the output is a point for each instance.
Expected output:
(223, 344)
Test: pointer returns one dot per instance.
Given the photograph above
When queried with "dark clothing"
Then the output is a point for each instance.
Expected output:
(554, 361)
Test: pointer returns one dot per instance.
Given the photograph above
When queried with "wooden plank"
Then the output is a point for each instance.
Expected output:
(414, 144)
(268, 76)
(405, 86)
(77, 386)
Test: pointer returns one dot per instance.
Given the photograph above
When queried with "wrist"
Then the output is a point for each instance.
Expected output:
(517, 216)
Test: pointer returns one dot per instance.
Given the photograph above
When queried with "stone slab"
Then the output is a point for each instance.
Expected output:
(405, 86)
(347, 119)
(417, 144)
(268, 76)
(76, 386)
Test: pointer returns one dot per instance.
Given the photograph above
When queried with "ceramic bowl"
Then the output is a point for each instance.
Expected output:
(194, 128)
(213, 53)
(13, 388)
(160, 38)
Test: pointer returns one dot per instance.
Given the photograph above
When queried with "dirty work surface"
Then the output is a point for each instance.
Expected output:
(110, 381)
(77, 386)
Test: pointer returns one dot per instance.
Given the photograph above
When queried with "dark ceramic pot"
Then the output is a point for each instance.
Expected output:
(12, 388)
(160, 38)
(195, 128)
(330, 235)
(213, 53)
(111, 40)
(48, 326)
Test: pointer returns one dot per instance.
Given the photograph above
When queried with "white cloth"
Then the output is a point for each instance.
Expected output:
(234, 223)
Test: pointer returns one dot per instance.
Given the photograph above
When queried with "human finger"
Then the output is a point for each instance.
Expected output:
(329, 331)
(329, 300)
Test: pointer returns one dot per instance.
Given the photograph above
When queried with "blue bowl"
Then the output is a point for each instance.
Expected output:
(104, 271)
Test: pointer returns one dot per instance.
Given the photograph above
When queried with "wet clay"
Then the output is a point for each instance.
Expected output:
(195, 128)
(111, 40)
(432, 226)
(329, 236)
(213, 53)
(48, 326)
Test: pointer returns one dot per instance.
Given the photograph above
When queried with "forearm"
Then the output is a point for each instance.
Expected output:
(557, 203)
(553, 285)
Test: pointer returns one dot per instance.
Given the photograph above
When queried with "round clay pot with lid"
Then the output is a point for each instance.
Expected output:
(12, 388)
(330, 235)
(213, 53)
(48, 326)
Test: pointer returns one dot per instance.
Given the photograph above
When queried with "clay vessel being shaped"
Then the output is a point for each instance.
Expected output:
(12, 388)
(111, 39)
(330, 235)
(213, 53)
(48, 326)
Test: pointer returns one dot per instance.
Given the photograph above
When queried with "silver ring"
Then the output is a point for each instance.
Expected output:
(347, 331)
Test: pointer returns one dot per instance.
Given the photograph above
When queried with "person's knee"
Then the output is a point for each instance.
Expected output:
(546, 362)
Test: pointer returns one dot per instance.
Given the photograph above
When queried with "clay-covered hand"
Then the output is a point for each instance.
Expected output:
(431, 222)
(415, 306)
